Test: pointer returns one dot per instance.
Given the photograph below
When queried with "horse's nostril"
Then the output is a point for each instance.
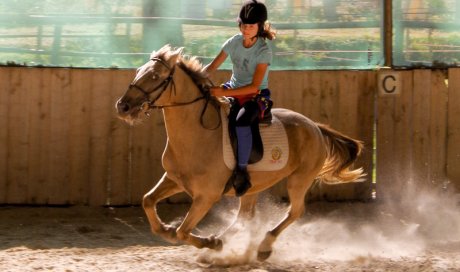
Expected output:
(123, 107)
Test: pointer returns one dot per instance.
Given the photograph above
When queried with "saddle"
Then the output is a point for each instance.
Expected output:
(257, 151)
(270, 149)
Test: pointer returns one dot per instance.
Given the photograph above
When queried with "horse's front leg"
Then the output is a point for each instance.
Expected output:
(200, 206)
(164, 188)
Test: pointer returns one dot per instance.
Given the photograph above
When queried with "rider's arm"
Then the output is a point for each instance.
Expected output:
(252, 88)
(215, 63)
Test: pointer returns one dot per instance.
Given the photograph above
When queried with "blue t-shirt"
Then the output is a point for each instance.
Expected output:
(245, 60)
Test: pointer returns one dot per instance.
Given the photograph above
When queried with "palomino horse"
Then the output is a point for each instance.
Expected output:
(193, 157)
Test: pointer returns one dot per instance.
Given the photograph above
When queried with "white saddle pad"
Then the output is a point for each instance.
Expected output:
(275, 142)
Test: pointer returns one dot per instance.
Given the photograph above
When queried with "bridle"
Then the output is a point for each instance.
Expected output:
(169, 81)
(148, 103)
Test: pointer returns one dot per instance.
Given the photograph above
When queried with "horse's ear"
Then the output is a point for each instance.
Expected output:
(176, 54)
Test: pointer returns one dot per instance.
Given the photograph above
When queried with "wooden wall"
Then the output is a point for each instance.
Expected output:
(61, 142)
(418, 133)
(453, 131)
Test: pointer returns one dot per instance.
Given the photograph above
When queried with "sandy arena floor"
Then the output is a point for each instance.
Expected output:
(423, 235)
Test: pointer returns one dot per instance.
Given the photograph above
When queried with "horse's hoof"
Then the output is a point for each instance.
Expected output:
(215, 243)
(263, 255)
(218, 245)
(169, 234)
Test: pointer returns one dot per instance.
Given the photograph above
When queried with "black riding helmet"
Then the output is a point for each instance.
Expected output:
(252, 12)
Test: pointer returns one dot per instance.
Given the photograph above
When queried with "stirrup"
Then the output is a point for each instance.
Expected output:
(241, 181)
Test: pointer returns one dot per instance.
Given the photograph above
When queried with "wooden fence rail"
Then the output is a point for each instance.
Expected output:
(61, 142)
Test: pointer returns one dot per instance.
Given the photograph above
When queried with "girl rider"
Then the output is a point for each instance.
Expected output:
(248, 85)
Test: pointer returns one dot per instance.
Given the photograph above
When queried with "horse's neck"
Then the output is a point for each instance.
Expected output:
(183, 123)
(180, 90)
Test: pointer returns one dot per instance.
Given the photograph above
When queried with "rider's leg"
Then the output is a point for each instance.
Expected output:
(246, 116)
(244, 136)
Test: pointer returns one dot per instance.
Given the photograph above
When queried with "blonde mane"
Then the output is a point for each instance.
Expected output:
(190, 64)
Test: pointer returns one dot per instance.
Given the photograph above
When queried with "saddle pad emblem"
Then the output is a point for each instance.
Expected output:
(275, 142)
(276, 153)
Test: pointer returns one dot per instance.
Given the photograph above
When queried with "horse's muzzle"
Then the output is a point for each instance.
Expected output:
(122, 107)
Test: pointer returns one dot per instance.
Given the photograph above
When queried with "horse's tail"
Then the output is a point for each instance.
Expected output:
(342, 152)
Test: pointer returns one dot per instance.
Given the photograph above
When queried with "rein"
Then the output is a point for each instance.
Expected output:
(169, 81)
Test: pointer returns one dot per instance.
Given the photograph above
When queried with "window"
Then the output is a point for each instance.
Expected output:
(426, 33)
(312, 34)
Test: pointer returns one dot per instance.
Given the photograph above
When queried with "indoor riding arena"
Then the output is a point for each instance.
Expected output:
(73, 174)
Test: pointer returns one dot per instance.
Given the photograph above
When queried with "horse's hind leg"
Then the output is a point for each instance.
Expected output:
(297, 186)
(164, 188)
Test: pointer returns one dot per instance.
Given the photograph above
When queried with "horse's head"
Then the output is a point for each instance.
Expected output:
(150, 82)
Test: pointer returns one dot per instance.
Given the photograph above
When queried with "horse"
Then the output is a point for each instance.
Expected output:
(193, 156)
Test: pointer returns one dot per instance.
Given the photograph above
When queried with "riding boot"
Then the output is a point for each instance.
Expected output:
(241, 181)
